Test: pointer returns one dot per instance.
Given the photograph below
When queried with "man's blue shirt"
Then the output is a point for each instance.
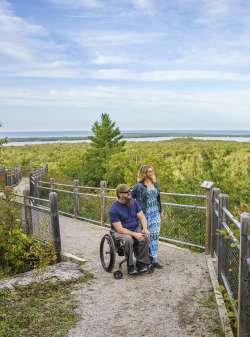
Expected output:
(127, 215)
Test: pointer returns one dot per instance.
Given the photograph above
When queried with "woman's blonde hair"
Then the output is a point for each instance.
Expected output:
(143, 172)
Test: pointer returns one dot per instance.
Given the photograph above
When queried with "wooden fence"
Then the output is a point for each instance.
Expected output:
(224, 237)
(10, 176)
(184, 221)
(40, 218)
(229, 243)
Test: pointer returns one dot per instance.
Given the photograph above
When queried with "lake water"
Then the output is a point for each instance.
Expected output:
(147, 136)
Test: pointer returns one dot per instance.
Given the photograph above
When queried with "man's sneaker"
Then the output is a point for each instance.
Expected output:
(132, 270)
(157, 265)
(141, 267)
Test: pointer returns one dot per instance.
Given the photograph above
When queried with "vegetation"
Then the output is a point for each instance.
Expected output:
(19, 252)
(209, 306)
(105, 142)
(2, 140)
(40, 310)
(181, 165)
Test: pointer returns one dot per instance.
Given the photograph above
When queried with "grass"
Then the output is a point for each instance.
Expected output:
(209, 305)
(40, 310)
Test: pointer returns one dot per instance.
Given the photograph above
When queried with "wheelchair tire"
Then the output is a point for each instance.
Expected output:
(107, 253)
(118, 275)
(150, 269)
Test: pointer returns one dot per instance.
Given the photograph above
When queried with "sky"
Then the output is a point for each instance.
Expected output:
(150, 64)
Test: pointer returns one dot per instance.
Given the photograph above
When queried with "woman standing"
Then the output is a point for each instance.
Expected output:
(147, 194)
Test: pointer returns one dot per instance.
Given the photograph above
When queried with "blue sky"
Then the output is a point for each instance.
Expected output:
(151, 64)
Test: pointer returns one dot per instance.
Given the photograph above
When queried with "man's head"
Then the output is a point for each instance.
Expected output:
(123, 193)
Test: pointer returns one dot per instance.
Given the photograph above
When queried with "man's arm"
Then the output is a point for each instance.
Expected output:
(143, 221)
(121, 230)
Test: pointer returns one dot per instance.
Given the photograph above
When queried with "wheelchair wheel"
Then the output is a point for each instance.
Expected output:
(118, 275)
(150, 269)
(107, 253)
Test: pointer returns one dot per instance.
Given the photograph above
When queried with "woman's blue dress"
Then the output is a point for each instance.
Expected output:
(154, 222)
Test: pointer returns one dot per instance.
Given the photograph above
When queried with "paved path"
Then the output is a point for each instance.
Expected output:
(23, 185)
(166, 303)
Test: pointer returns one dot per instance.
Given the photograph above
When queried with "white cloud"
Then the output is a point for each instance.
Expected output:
(27, 48)
(89, 96)
(20, 39)
(75, 4)
(146, 6)
(217, 8)
(180, 75)
(99, 39)
(130, 106)
(110, 59)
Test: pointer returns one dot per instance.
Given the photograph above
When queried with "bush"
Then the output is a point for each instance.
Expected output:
(19, 252)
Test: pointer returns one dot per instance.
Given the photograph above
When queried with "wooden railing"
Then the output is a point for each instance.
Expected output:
(10, 176)
(211, 227)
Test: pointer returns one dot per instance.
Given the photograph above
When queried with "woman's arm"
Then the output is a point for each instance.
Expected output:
(159, 200)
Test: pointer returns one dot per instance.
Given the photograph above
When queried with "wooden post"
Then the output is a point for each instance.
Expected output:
(76, 198)
(6, 177)
(13, 172)
(244, 281)
(27, 212)
(52, 184)
(55, 224)
(37, 178)
(208, 186)
(214, 221)
(103, 191)
(223, 202)
(31, 184)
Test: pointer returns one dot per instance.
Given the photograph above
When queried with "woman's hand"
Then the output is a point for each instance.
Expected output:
(162, 215)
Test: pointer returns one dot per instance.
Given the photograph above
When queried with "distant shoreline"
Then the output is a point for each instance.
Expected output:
(127, 136)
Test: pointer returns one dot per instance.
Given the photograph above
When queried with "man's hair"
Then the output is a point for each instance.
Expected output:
(121, 188)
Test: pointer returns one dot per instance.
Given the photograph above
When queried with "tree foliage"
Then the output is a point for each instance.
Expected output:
(105, 142)
(181, 165)
(2, 140)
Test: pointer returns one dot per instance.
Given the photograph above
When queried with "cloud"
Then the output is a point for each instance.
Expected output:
(26, 49)
(145, 5)
(104, 38)
(110, 59)
(92, 95)
(172, 108)
(20, 39)
(161, 75)
(77, 4)
(217, 8)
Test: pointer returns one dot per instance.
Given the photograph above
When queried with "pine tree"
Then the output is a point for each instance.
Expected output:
(2, 140)
(105, 142)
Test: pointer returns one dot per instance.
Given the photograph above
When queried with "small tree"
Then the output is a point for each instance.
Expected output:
(105, 142)
(2, 140)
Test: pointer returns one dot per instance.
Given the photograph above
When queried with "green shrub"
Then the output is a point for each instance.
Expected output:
(19, 252)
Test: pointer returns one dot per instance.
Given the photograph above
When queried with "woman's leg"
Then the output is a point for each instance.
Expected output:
(154, 228)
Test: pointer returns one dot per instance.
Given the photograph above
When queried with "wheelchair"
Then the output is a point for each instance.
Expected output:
(109, 247)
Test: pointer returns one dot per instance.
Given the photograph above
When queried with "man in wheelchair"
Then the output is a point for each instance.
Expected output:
(130, 225)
